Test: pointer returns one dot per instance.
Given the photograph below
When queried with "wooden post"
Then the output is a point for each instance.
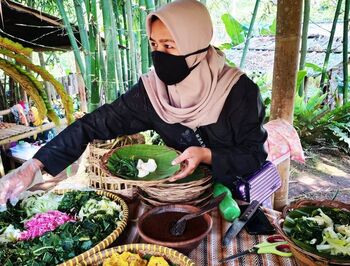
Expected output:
(284, 77)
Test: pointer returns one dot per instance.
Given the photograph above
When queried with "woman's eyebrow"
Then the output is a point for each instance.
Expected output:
(163, 40)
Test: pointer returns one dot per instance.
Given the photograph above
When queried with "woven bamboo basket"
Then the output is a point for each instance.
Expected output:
(136, 183)
(108, 239)
(98, 178)
(189, 191)
(303, 257)
(171, 255)
(152, 202)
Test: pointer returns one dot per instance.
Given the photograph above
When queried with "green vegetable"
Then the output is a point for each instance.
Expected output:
(122, 167)
(69, 239)
(323, 231)
(39, 204)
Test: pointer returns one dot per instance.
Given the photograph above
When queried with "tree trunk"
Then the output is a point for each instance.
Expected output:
(303, 50)
(345, 52)
(284, 76)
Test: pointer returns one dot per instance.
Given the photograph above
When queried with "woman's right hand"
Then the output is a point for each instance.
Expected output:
(17, 181)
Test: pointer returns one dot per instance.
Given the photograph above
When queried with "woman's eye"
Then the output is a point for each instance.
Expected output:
(153, 44)
(168, 46)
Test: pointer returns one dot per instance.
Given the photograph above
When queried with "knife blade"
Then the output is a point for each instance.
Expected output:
(238, 224)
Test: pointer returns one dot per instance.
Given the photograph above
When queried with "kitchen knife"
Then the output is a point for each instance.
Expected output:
(238, 224)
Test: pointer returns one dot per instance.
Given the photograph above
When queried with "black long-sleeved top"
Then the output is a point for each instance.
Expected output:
(236, 139)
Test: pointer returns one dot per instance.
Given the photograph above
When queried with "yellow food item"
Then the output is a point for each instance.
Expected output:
(125, 259)
(157, 261)
(131, 259)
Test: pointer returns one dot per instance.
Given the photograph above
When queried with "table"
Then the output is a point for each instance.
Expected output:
(210, 250)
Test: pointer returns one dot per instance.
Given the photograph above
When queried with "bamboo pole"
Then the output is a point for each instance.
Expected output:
(150, 8)
(330, 43)
(345, 52)
(83, 31)
(110, 40)
(303, 50)
(122, 53)
(71, 35)
(128, 57)
(132, 41)
(250, 30)
(284, 77)
(143, 37)
(94, 93)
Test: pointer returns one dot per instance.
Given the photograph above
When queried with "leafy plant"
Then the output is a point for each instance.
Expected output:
(316, 122)
(235, 30)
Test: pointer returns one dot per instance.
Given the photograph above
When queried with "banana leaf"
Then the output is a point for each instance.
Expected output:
(162, 155)
(301, 231)
(196, 175)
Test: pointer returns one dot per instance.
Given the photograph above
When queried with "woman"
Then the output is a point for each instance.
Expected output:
(211, 112)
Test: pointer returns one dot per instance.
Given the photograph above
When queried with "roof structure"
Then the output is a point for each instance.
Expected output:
(33, 28)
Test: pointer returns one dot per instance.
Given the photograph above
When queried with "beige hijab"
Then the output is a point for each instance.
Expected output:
(199, 98)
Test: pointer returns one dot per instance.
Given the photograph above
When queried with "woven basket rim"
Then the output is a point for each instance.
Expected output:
(304, 203)
(139, 183)
(166, 252)
(108, 239)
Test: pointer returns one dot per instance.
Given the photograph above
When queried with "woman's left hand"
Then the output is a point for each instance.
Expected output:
(193, 156)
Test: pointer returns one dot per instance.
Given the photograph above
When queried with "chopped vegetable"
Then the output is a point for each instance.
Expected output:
(324, 231)
(131, 259)
(39, 204)
(11, 234)
(44, 222)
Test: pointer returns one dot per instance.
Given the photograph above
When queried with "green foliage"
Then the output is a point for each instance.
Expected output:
(266, 30)
(316, 122)
(234, 29)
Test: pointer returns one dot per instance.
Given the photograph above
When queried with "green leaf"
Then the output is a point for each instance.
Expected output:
(163, 156)
(234, 29)
(300, 78)
(225, 46)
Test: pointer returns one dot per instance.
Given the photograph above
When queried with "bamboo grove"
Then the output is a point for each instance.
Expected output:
(15, 57)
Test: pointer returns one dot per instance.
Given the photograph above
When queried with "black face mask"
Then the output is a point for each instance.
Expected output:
(172, 69)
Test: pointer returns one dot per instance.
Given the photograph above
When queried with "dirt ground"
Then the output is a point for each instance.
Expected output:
(326, 174)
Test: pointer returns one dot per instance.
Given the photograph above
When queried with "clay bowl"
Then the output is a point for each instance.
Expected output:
(154, 227)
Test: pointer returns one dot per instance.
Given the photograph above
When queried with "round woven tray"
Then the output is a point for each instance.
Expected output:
(171, 255)
(98, 178)
(137, 183)
(108, 239)
(303, 257)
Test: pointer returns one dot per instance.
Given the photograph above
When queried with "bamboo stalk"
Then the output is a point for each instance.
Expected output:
(132, 41)
(303, 50)
(330, 43)
(122, 53)
(94, 93)
(250, 30)
(71, 36)
(150, 8)
(144, 39)
(128, 57)
(110, 39)
(83, 31)
(345, 52)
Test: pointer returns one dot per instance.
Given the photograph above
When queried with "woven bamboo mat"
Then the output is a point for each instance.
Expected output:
(13, 130)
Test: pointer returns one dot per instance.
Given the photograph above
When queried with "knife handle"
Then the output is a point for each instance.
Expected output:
(249, 212)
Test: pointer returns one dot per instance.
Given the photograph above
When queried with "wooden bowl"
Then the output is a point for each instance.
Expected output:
(301, 256)
(154, 227)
